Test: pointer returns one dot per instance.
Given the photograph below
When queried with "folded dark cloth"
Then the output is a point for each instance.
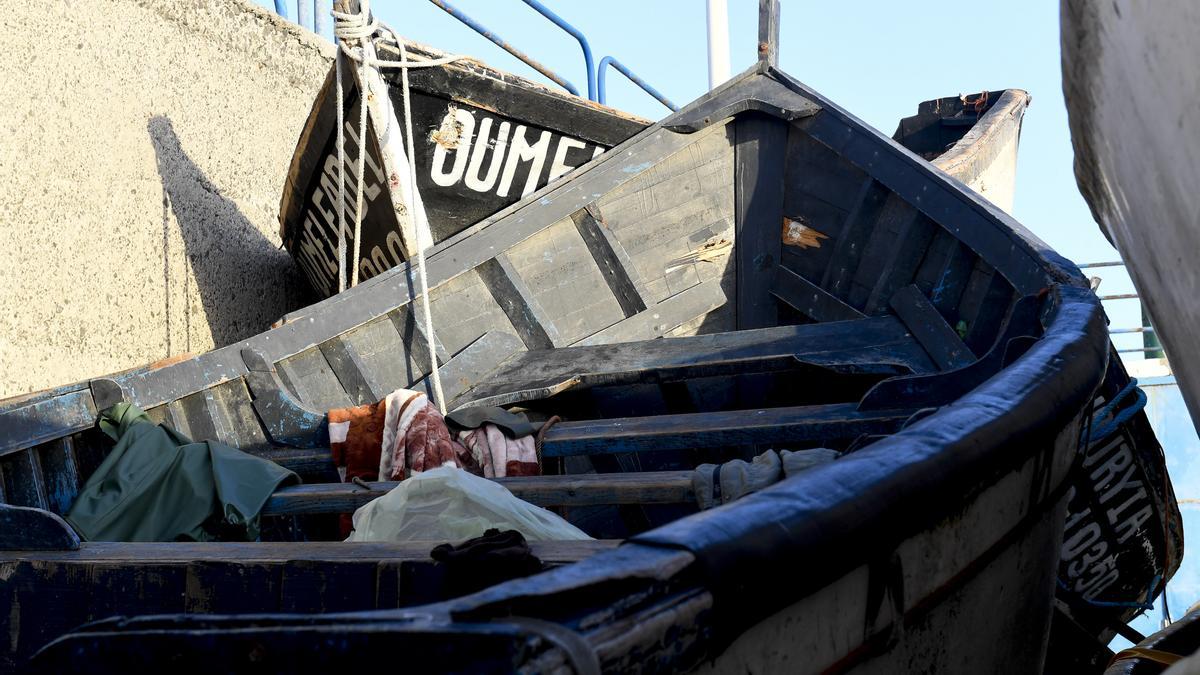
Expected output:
(486, 560)
(158, 485)
(515, 425)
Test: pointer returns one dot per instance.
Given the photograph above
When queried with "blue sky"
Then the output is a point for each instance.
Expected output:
(878, 59)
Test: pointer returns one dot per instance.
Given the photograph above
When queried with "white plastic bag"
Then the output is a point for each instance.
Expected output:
(449, 504)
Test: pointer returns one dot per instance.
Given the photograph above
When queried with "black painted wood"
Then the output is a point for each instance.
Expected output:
(940, 341)
(23, 481)
(908, 249)
(615, 265)
(802, 426)
(667, 315)
(411, 331)
(881, 342)
(759, 157)
(285, 419)
(30, 529)
(531, 323)
(852, 239)
(652, 487)
(61, 473)
(810, 299)
(879, 249)
(768, 31)
(355, 377)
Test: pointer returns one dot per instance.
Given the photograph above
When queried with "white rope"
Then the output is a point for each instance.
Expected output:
(362, 161)
(361, 27)
(341, 143)
(424, 238)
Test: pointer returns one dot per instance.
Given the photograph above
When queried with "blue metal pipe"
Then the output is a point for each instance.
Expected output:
(587, 49)
(503, 44)
(304, 13)
(281, 8)
(321, 18)
(610, 61)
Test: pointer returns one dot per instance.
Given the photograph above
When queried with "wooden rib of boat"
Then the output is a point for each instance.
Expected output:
(482, 139)
(819, 286)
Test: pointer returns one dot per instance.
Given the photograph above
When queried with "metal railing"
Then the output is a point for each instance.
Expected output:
(1151, 348)
(314, 15)
(620, 68)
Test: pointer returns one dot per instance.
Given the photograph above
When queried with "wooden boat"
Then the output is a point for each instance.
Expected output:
(1135, 163)
(951, 352)
(483, 139)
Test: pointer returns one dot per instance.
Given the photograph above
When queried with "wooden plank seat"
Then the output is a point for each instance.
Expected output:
(803, 425)
(279, 553)
(878, 344)
(653, 487)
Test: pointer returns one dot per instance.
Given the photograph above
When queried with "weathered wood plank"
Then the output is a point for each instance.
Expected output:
(663, 317)
(25, 528)
(411, 331)
(610, 256)
(473, 364)
(928, 326)
(997, 301)
(194, 408)
(313, 380)
(654, 487)
(880, 247)
(217, 404)
(279, 552)
(247, 431)
(531, 323)
(38, 421)
(285, 419)
(358, 380)
(880, 340)
(802, 425)
(230, 587)
(23, 482)
(312, 586)
(810, 299)
(759, 157)
(390, 359)
(61, 474)
(848, 248)
(908, 249)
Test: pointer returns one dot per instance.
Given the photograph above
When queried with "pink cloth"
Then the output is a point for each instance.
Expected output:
(498, 455)
(415, 438)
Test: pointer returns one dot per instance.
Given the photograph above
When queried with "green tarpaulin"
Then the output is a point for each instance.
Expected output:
(158, 485)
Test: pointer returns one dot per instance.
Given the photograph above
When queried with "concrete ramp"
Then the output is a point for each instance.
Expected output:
(145, 146)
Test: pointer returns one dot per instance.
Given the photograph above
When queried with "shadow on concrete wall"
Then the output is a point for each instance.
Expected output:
(244, 281)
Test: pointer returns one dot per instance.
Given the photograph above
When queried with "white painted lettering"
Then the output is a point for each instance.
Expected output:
(522, 151)
(559, 166)
(482, 145)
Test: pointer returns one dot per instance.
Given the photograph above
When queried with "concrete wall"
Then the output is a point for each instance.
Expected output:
(143, 148)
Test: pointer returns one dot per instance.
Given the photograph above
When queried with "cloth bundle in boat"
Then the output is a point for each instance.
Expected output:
(449, 504)
(716, 484)
(158, 485)
(405, 434)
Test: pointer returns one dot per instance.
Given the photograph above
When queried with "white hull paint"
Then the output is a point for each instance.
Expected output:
(1131, 81)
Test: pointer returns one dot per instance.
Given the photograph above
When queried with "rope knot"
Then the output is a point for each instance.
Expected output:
(354, 25)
